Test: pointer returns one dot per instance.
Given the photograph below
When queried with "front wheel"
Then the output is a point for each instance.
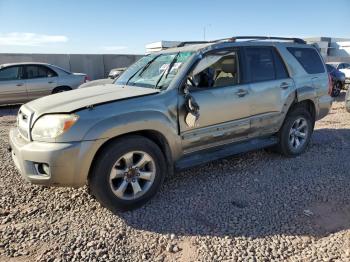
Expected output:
(127, 173)
(295, 134)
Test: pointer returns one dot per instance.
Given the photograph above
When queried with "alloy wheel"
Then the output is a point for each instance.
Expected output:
(132, 175)
(298, 133)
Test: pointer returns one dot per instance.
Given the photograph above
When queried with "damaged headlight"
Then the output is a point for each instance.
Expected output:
(51, 126)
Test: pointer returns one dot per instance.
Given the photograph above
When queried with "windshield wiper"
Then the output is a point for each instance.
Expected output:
(167, 70)
(142, 69)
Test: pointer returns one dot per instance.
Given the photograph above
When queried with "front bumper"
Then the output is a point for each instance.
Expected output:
(68, 163)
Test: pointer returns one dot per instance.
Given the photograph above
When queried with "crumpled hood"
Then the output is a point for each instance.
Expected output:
(79, 98)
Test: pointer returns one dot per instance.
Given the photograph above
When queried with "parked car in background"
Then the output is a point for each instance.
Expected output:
(116, 72)
(22, 82)
(338, 79)
(112, 77)
(172, 110)
(344, 68)
(98, 82)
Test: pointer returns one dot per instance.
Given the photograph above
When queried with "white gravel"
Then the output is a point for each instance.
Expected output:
(253, 207)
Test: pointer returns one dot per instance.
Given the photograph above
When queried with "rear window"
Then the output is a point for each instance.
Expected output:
(308, 58)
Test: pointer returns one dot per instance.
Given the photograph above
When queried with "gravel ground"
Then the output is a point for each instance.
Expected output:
(253, 207)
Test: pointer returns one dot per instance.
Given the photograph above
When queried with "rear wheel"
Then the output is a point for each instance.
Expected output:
(295, 134)
(128, 173)
(337, 86)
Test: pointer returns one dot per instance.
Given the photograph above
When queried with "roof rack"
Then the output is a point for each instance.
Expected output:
(192, 43)
(234, 38)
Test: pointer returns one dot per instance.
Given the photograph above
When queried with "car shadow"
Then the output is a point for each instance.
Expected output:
(257, 194)
(10, 110)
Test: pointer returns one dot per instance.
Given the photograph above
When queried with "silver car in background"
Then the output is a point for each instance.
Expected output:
(23, 82)
(112, 77)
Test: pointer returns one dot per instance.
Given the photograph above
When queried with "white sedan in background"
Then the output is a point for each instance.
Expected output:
(22, 82)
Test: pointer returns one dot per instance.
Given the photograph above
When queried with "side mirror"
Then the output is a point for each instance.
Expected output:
(192, 109)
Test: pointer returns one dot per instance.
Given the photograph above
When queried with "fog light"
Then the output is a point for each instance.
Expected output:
(42, 169)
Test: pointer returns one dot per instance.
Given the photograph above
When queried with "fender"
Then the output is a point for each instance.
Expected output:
(123, 124)
(306, 93)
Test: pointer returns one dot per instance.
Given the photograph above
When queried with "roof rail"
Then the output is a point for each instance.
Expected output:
(234, 38)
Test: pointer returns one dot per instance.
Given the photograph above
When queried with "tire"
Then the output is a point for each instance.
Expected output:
(291, 128)
(337, 87)
(61, 89)
(121, 159)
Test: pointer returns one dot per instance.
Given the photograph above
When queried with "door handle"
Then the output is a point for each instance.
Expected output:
(19, 84)
(284, 85)
(241, 92)
(50, 82)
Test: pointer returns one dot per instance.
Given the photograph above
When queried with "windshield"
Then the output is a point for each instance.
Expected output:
(154, 71)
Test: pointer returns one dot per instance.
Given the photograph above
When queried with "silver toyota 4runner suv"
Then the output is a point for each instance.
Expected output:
(172, 110)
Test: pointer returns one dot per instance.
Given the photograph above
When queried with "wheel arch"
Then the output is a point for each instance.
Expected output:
(307, 102)
(155, 136)
(66, 87)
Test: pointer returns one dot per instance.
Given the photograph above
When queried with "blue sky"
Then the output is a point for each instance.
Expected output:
(106, 26)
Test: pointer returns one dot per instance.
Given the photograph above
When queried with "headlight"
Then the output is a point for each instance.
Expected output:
(51, 126)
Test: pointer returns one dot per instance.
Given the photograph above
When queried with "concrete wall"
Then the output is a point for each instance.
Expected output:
(96, 66)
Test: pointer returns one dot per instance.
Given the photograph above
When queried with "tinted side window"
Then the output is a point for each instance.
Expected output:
(9, 73)
(308, 58)
(260, 64)
(34, 71)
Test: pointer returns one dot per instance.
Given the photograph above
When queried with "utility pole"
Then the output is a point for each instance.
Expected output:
(204, 31)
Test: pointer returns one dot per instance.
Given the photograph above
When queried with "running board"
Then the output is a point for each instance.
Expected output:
(205, 156)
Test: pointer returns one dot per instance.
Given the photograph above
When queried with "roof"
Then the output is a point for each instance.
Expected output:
(24, 63)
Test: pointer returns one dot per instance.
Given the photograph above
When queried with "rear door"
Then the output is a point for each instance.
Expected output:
(270, 87)
(40, 80)
(12, 86)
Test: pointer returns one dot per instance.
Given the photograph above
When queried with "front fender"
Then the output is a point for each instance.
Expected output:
(123, 124)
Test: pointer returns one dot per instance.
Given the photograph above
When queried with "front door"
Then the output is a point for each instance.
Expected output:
(223, 100)
(40, 81)
(12, 86)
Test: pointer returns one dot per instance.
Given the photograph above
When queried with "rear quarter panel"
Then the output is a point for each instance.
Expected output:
(72, 81)
(312, 87)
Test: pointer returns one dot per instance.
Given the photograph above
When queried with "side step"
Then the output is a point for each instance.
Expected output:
(205, 156)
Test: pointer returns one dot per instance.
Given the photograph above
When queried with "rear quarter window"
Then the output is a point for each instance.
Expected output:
(309, 59)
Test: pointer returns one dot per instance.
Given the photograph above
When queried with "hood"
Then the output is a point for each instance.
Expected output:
(79, 98)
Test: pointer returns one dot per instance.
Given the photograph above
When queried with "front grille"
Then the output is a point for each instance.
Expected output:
(24, 118)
